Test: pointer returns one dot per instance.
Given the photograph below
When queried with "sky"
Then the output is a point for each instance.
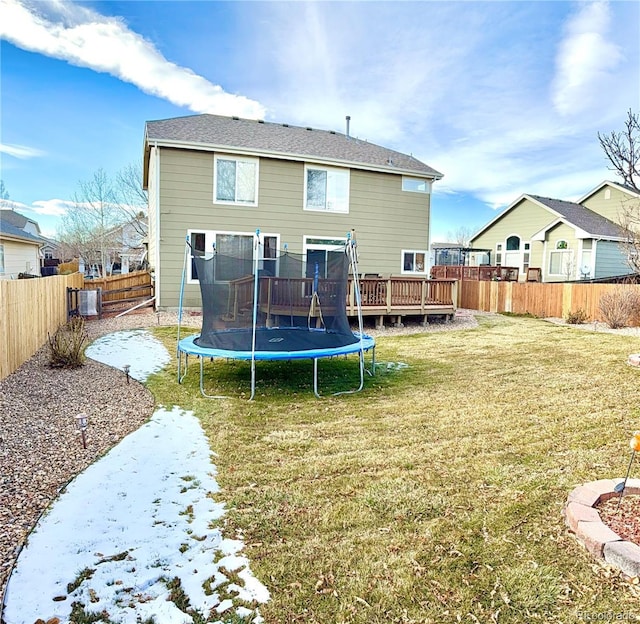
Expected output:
(154, 519)
(502, 97)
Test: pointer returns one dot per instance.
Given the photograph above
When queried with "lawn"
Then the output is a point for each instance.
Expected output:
(435, 494)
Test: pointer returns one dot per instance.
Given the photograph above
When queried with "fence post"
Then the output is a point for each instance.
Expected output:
(567, 294)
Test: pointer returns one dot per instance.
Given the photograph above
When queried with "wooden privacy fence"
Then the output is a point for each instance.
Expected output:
(123, 291)
(542, 300)
(29, 310)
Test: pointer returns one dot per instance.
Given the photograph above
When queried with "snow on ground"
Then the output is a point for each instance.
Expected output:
(138, 348)
(137, 519)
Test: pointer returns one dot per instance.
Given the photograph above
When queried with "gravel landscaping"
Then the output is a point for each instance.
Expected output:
(39, 448)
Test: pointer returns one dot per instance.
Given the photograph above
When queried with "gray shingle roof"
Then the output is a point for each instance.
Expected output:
(9, 229)
(282, 139)
(582, 217)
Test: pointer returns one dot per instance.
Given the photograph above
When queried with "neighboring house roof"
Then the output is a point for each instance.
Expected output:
(591, 223)
(18, 220)
(232, 134)
(572, 213)
(10, 231)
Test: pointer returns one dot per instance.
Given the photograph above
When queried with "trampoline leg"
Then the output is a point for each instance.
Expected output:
(372, 372)
(186, 366)
(204, 394)
(315, 378)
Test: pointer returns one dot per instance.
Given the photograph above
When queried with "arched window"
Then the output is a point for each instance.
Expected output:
(513, 243)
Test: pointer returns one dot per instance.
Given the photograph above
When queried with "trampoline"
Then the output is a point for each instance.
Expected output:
(263, 304)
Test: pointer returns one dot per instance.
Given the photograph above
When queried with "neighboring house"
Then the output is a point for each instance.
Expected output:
(566, 240)
(19, 248)
(128, 245)
(216, 180)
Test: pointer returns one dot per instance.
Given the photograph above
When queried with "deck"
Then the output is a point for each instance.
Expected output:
(388, 297)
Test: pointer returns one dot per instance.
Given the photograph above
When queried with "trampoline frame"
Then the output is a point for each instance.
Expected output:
(363, 343)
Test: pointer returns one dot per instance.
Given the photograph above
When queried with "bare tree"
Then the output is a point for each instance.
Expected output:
(102, 204)
(132, 198)
(622, 150)
(461, 236)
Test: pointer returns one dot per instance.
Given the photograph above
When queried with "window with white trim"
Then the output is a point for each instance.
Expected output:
(526, 256)
(498, 254)
(416, 185)
(235, 180)
(326, 189)
(561, 260)
(234, 244)
(413, 261)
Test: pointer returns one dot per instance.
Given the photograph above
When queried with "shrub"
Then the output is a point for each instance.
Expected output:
(619, 307)
(67, 345)
(578, 317)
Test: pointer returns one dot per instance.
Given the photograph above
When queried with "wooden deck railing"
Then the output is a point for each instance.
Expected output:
(378, 296)
(403, 295)
(483, 273)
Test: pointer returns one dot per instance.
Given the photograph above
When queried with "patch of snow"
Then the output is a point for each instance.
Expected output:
(140, 349)
(135, 520)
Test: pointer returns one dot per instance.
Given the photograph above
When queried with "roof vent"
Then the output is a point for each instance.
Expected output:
(332, 131)
(235, 118)
(389, 161)
(285, 125)
(260, 120)
(309, 128)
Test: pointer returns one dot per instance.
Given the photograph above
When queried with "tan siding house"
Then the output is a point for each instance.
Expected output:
(215, 180)
(19, 249)
(566, 240)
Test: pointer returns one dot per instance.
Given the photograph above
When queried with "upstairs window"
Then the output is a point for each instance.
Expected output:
(326, 189)
(416, 185)
(235, 181)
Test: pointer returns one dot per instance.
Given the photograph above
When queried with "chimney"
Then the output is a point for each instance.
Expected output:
(348, 120)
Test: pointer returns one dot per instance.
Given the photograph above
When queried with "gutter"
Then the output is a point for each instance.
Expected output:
(157, 237)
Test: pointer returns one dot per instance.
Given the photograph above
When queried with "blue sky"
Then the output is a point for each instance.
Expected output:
(502, 97)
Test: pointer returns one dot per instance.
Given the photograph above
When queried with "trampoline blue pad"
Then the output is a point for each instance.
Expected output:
(276, 344)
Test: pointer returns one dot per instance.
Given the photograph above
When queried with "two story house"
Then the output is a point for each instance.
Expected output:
(567, 240)
(215, 180)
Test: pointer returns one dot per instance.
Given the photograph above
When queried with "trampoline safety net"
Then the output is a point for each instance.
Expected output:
(297, 305)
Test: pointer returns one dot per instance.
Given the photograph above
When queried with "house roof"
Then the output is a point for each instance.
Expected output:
(590, 222)
(16, 218)
(8, 230)
(232, 134)
(572, 213)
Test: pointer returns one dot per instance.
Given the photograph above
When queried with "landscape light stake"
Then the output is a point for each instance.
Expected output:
(126, 368)
(635, 446)
(82, 421)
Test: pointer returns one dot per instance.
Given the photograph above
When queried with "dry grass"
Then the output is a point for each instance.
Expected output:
(435, 495)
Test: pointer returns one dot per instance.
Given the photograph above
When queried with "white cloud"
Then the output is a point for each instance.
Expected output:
(585, 59)
(85, 38)
(20, 151)
(52, 207)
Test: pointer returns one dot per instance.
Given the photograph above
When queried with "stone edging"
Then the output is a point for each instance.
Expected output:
(584, 520)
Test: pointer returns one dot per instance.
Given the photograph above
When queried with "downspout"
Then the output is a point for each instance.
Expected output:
(157, 212)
